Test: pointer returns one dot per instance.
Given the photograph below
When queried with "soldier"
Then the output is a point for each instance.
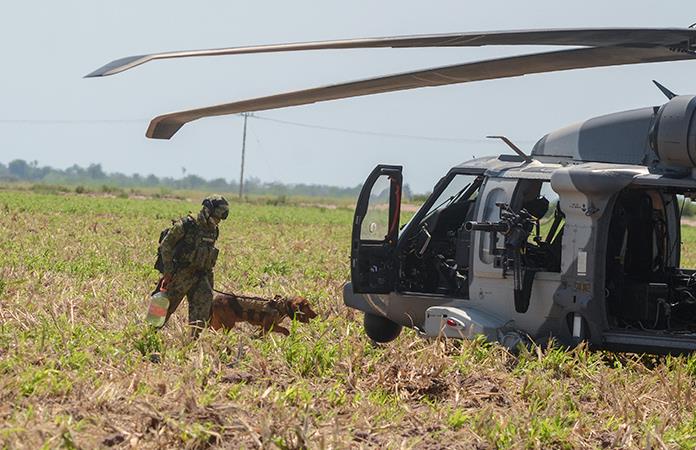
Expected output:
(188, 255)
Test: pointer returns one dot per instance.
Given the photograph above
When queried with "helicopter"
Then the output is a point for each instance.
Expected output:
(578, 241)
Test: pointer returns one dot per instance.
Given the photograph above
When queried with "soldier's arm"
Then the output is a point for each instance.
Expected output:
(175, 234)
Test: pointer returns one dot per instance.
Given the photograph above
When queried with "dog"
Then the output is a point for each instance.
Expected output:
(229, 309)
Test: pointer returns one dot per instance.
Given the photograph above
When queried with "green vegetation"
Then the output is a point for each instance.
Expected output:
(94, 179)
(75, 273)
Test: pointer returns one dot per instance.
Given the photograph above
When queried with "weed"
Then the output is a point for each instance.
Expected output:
(298, 395)
(473, 353)
(148, 342)
(318, 358)
(199, 435)
(67, 441)
(235, 391)
(337, 395)
(682, 434)
(276, 268)
(457, 419)
(44, 381)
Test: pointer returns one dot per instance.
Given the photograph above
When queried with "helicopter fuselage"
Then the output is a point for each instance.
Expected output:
(599, 206)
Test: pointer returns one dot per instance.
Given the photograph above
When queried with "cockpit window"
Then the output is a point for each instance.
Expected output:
(459, 189)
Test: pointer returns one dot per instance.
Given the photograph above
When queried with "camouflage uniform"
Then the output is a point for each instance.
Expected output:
(188, 257)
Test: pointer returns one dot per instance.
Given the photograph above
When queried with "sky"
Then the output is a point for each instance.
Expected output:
(50, 114)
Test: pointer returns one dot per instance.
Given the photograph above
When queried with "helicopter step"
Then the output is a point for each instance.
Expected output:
(642, 341)
(463, 323)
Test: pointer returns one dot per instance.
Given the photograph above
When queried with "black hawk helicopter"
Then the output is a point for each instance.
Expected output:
(579, 240)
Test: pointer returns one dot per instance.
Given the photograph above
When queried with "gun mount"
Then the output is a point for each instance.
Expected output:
(516, 228)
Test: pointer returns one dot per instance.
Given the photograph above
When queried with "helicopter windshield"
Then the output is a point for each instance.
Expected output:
(460, 188)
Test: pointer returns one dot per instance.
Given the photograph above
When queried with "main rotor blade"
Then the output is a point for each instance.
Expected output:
(590, 37)
(165, 126)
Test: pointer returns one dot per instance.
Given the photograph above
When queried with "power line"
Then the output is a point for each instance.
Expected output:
(380, 134)
(268, 119)
(260, 151)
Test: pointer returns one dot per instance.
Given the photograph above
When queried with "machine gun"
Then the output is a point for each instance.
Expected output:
(516, 228)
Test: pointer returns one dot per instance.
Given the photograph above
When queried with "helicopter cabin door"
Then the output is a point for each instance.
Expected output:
(375, 232)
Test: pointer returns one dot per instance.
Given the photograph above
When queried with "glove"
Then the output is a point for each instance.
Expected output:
(164, 283)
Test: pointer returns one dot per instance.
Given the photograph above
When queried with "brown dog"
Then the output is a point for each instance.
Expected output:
(229, 309)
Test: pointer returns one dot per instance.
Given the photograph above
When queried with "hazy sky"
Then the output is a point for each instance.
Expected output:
(48, 46)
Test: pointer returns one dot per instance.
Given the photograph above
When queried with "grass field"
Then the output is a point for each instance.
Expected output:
(75, 273)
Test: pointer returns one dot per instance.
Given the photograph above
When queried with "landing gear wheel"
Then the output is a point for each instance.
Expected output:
(380, 329)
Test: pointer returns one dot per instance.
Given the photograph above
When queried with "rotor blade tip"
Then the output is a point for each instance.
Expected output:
(163, 128)
(119, 65)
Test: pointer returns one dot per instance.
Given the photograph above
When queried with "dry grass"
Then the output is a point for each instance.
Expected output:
(75, 272)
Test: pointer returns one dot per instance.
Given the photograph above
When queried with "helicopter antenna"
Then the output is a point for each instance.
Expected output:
(669, 94)
(514, 148)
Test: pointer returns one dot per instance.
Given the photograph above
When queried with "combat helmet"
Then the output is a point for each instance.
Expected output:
(217, 206)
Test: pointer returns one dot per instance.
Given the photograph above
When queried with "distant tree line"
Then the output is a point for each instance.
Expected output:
(20, 170)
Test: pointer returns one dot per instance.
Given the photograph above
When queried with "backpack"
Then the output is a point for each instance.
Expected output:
(189, 223)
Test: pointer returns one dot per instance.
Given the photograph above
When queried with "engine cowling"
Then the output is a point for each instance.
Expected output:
(673, 136)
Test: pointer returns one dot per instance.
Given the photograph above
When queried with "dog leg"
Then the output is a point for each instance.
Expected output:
(281, 330)
(214, 322)
(270, 325)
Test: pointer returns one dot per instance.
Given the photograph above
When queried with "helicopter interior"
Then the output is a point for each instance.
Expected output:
(645, 287)
(436, 256)
(543, 250)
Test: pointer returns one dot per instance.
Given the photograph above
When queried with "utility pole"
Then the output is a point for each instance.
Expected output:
(241, 174)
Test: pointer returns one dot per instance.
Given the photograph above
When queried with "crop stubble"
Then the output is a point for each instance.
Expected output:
(75, 272)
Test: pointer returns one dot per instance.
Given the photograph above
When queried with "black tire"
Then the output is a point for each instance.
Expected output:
(380, 329)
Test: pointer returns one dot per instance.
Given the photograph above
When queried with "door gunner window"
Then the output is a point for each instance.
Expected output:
(543, 252)
(491, 213)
